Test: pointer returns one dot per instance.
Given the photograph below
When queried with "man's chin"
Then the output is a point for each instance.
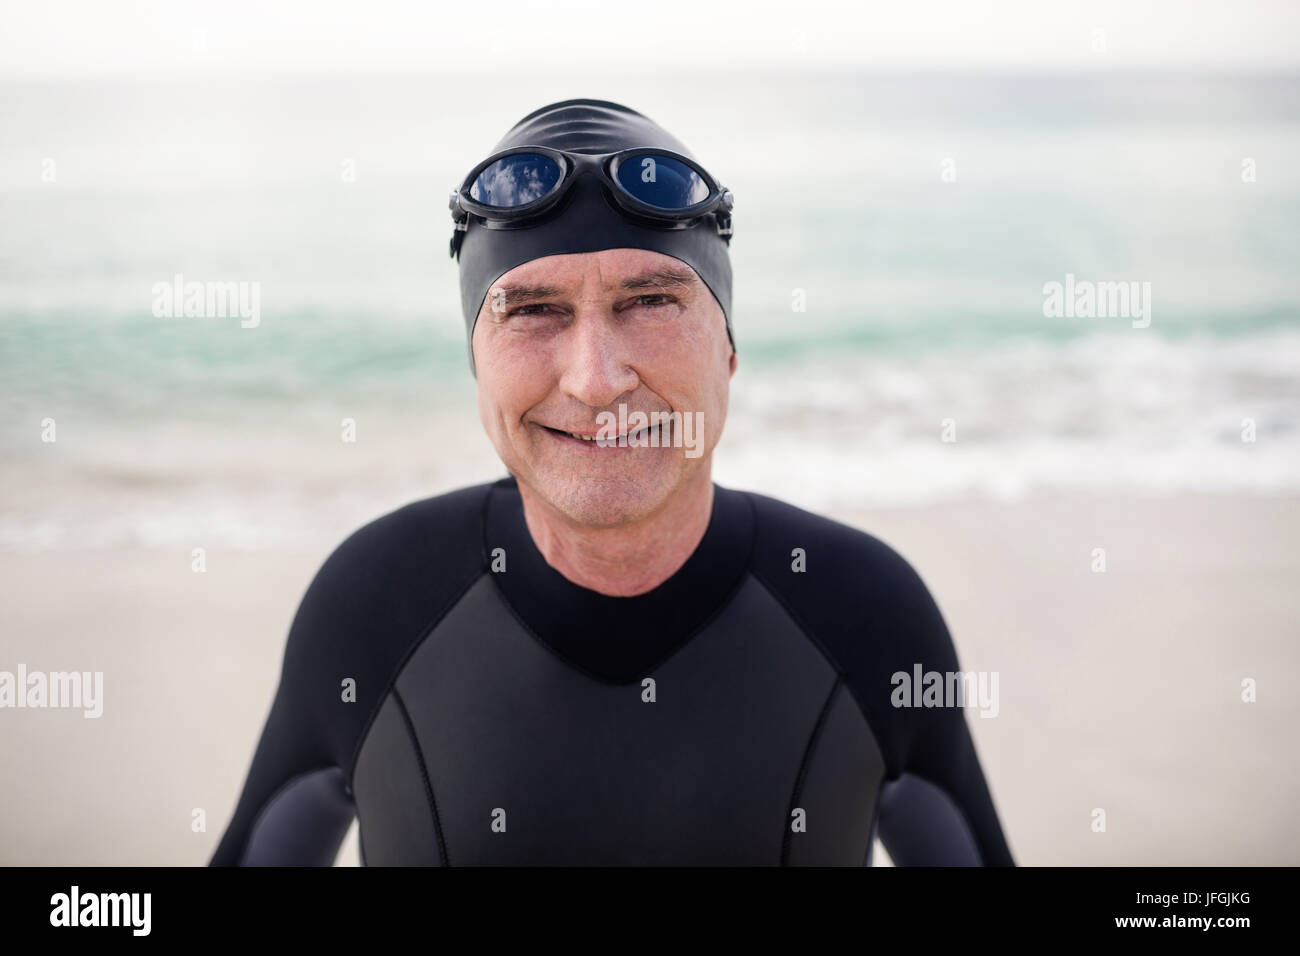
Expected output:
(604, 502)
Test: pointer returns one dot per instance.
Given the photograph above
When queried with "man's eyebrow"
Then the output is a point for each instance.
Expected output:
(659, 278)
(504, 296)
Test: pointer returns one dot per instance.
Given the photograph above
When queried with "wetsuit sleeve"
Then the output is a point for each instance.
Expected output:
(944, 815)
(296, 806)
(373, 599)
(874, 617)
(938, 811)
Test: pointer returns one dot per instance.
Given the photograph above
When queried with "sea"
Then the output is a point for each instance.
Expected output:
(897, 238)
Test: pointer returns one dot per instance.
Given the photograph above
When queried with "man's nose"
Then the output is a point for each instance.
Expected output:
(595, 360)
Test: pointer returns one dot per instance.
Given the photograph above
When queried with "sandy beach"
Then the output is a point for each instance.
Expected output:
(1118, 690)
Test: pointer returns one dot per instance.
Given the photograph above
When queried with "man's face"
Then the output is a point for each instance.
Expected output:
(561, 339)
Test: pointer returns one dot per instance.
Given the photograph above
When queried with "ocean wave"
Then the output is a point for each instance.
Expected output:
(1119, 414)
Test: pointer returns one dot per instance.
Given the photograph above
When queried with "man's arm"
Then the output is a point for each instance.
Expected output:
(295, 807)
(874, 617)
(289, 813)
(943, 815)
(938, 811)
(380, 591)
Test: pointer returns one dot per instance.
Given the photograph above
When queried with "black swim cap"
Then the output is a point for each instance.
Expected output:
(587, 219)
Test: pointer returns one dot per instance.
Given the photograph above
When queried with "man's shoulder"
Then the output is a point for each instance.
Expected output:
(422, 552)
(845, 585)
(373, 598)
(452, 519)
(820, 545)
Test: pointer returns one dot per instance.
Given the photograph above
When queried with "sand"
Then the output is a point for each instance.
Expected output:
(1118, 690)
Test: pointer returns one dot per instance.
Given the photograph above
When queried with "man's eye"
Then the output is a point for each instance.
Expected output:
(523, 309)
(662, 300)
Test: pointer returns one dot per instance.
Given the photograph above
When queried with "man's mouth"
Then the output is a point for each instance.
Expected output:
(644, 438)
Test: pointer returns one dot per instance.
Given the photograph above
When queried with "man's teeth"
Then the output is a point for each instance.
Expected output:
(607, 440)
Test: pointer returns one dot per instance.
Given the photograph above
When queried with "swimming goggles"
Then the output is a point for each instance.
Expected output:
(514, 186)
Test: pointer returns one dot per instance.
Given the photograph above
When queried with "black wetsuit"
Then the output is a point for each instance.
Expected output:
(505, 716)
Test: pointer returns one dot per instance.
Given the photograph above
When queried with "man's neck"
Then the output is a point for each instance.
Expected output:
(626, 560)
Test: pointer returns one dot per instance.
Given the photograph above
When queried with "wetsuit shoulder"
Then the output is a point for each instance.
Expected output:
(372, 600)
(874, 617)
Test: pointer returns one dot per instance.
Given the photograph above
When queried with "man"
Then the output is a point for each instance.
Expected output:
(605, 658)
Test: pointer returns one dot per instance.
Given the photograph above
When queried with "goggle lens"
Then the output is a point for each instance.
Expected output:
(662, 181)
(516, 180)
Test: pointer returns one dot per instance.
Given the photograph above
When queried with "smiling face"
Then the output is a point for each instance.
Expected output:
(562, 341)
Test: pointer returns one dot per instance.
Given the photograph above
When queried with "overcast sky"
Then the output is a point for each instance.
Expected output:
(59, 37)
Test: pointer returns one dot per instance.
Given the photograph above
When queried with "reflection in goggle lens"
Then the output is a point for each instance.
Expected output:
(522, 178)
(516, 180)
(662, 181)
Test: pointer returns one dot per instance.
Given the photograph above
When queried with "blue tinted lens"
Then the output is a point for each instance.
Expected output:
(662, 181)
(516, 180)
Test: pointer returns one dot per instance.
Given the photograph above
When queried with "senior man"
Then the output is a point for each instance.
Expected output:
(605, 658)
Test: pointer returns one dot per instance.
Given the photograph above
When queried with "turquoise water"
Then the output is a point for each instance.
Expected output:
(924, 293)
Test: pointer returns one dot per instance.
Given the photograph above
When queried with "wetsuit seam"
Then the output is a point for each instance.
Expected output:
(803, 768)
(728, 598)
(830, 660)
(424, 634)
(723, 604)
(505, 599)
(391, 684)
(270, 801)
(827, 656)
(713, 615)
(514, 613)
(424, 775)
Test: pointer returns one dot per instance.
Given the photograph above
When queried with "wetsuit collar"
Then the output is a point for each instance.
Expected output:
(617, 638)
